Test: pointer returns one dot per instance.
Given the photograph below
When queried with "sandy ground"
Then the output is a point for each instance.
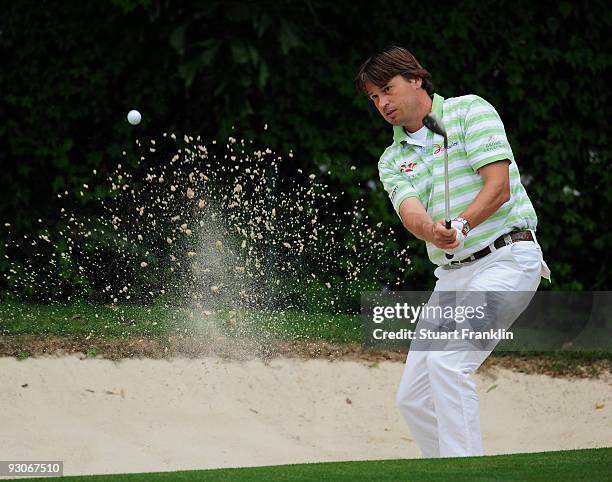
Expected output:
(136, 415)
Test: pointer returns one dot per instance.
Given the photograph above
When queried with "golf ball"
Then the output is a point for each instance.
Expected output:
(134, 117)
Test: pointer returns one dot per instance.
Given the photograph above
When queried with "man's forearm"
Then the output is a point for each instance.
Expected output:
(416, 220)
(418, 223)
(488, 200)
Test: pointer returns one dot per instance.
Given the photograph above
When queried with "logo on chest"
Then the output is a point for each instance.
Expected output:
(438, 148)
(407, 167)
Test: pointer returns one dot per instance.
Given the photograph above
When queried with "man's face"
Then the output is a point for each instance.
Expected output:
(398, 101)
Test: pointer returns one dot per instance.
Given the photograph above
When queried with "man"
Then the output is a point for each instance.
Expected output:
(492, 236)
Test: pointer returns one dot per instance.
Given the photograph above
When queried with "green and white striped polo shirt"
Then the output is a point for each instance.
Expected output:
(476, 137)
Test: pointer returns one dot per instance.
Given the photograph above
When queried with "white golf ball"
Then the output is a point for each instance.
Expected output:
(134, 117)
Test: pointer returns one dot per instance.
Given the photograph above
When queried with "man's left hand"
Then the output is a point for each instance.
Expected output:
(459, 237)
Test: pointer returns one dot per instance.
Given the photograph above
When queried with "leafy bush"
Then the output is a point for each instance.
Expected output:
(281, 72)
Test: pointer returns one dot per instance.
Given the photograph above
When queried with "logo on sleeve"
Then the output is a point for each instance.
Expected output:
(394, 192)
(493, 143)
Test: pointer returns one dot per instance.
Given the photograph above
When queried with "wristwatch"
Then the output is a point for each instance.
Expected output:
(466, 226)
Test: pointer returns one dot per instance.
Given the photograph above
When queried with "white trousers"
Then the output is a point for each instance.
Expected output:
(437, 395)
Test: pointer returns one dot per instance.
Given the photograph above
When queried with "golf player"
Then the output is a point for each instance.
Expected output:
(492, 236)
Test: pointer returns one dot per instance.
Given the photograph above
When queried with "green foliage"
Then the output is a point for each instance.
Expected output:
(72, 70)
(22, 355)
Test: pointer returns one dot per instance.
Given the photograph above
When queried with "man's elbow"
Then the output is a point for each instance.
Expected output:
(500, 190)
(504, 195)
(496, 178)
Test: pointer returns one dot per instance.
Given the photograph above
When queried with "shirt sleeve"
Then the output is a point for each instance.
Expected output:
(398, 186)
(485, 136)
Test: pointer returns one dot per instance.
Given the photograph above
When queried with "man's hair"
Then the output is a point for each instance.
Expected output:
(389, 62)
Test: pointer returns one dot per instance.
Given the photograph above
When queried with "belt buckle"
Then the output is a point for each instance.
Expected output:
(469, 259)
(508, 239)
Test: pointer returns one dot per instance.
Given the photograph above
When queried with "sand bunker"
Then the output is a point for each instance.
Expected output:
(137, 415)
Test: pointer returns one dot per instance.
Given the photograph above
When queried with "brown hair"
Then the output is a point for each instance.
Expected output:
(388, 63)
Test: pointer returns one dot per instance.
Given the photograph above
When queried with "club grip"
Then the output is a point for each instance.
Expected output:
(448, 226)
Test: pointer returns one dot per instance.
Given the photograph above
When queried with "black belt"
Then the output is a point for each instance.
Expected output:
(500, 242)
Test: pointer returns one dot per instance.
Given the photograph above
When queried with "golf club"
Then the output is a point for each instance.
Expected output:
(434, 124)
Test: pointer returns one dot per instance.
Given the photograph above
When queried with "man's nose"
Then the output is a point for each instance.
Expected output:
(383, 101)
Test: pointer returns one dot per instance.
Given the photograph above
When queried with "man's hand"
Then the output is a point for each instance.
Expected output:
(457, 226)
(447, 239)
(418, 222)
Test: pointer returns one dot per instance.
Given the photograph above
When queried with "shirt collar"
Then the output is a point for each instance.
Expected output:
(399, 134)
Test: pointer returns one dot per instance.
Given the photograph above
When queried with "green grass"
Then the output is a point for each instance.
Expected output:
(158, 321)
(81, 319)
(312, 326)
(575, 465)
(22, 355)
(88, 319)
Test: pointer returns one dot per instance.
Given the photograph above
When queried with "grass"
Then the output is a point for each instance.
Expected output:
(88, 319)
(575, 465)
(82, 319)
(22, 355)
(89, 324)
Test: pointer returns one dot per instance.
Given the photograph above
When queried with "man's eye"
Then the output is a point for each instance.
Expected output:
(373, 97)
(387, 89)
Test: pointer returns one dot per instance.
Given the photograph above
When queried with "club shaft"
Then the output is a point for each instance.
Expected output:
(446, 188)
(447, 221)
(435, 125)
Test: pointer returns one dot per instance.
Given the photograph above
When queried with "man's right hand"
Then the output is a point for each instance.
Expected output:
(444, 238)
(416, 219)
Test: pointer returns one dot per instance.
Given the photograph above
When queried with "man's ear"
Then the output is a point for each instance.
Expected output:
(418, 82)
